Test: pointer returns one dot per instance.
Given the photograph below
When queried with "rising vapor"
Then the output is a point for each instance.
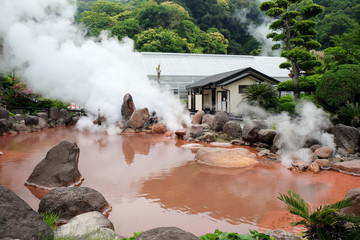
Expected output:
(44, 46)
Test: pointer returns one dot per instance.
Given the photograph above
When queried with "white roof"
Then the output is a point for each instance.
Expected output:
(186, 64)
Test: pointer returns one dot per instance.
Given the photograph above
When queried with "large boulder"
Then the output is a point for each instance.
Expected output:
(59, 168)
(158, 128)
(197, 118)
(72, 201)
(54, 113)
(64, 114)
(127, 107)
(139, 118)
(42, 123)
(18, 220)
(355, 208)
(20, 127)
(233, 129)
(220, 119)
(181, 134)
(166, 233)
(19, 117)
(323, 152)
(5, 126)
(352, 167)
(208, 119)
(280, 234)
(196, 130)
(227, 158)
(251, 129)
(31, 120)
(84, 226)
(43, 115)
(4, 113)
(346, 137)
(266, 135)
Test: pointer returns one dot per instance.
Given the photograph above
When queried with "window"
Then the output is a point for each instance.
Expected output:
(241, 88)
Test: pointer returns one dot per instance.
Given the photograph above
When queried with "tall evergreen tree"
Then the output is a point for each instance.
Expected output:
(294, 29)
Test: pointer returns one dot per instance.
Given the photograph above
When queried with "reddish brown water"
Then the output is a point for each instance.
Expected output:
(150, 181)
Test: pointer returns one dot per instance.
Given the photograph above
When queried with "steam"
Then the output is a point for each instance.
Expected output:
(45, 47)
(258, 31)
(310, 125)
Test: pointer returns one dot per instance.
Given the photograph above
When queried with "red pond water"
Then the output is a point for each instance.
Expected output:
(150, 181)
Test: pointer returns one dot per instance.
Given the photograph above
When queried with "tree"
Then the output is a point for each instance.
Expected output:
(294, 28)
(96, 22)
(127, 28)
(107, 7)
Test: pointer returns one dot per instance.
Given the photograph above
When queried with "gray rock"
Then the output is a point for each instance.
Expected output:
(207, 137)
(251, 129)
(181, 134)
(166, 233)
(220, 119)
(280, 234)
(20, 127)
(42, 123)
(54, 113)
(61, 122)
(12, 120)
(5, 126)
(233, 129)
(127, 107)
(31, 120)
(19, 117)
(72, 201)
(18, 220)
(59, 168)
(196, 130)
(64, 114)
(206, 127)
(43, 115)
(266, 135)
(74, 120)
(4, 113)
(323, 152)
(139, 118)
(346, 137)
(342, 152)
(86, 226)
(208, 119)
(314, 147)
(355, 208)
(51, 123)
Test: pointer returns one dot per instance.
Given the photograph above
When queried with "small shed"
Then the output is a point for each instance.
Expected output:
(224, 91)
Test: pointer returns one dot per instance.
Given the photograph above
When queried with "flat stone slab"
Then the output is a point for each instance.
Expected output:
(220, 144)
(226, 158)
(192, 145)
(352, 167)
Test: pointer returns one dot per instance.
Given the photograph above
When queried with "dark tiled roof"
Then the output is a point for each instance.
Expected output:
(226, 78)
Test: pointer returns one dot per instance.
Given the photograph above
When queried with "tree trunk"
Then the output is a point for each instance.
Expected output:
(296, 80)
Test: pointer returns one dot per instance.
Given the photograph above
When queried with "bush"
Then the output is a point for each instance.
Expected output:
(339, 86)
(263, 95)
(350, 114)
(286, 98)
(287, 104)
(306, 84)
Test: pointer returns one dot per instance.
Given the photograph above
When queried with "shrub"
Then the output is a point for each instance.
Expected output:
(306, 84)
(287, 104)
(324, 223)
(264, 95)
(350, 114)
(217, 235)
(339, 86)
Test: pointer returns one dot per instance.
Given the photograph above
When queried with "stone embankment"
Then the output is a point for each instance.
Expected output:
(269, 143)
(36, 122)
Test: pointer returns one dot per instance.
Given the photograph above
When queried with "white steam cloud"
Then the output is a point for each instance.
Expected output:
(259, 31)
(310, 125)
(45, 47)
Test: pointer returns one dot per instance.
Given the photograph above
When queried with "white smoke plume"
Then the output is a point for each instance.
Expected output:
(45, 47)
(258, 31)
(310, 124)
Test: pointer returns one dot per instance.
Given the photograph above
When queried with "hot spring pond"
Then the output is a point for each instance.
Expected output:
(150, 181)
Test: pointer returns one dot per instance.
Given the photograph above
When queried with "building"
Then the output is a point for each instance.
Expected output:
(224, 91)
(181, 69)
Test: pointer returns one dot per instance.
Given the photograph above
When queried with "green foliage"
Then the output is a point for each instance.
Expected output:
(133, 237)
(339, 86)
(293, 21)
(127, 28)
(287, 104)
(324, 222)
(306, 84)
(107, 7)
(51, 219)
(218, 235)
(264, 95)
(96, 22)
(350, 114)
